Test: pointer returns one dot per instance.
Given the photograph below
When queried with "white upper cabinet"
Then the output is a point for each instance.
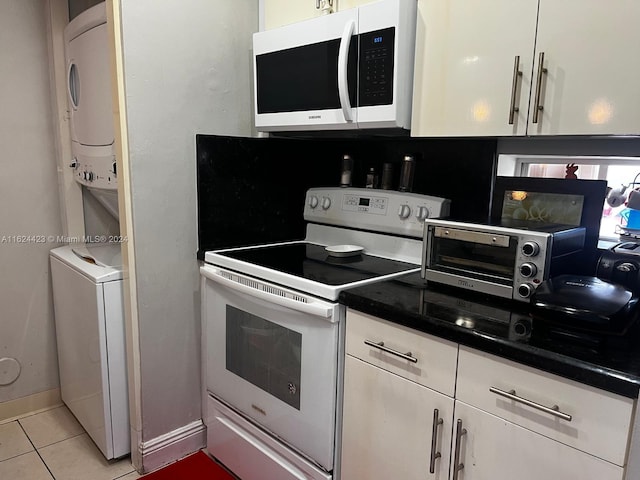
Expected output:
(591, 52)
(464, 75)
(477, 68)
(283, 12)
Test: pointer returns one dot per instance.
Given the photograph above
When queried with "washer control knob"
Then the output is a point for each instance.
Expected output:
(404, 212)
(422, 213)
(313, 201)
(528, 270)
(326, 203)
(90, 176)
(530, 249)
(525, 290)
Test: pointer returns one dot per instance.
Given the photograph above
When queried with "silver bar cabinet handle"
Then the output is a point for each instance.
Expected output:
(514, 87)
(434, 436)
(380, 346)
(537, 108)
(511, 395)
(457, 466)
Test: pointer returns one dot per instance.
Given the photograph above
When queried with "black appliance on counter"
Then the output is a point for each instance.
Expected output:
(607, 302)
(582, 199)
(585, 302)
(621, 264)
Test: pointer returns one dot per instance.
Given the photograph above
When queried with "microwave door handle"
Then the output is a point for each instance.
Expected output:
(343, 60)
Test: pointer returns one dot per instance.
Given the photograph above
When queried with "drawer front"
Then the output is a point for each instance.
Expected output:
(599, 423)
(416, 356)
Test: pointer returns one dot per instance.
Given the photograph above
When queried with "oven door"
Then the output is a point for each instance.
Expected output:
(272, 354)
(481, 261)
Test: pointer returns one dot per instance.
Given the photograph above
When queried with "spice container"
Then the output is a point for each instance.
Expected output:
(372, 179)
(406, 174)
(387, 176)
(347, 169)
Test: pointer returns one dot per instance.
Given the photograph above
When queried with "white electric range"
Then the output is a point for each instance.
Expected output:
(273, 331)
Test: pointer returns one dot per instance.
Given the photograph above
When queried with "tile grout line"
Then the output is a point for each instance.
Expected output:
(37, 452)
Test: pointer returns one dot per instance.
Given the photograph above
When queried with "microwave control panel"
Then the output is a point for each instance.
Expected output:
(376, 67)
(371, 209)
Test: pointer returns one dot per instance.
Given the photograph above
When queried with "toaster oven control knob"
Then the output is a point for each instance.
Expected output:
(528, 270)
(313, 201)
(530, 249)
(326, 203)
(404, 212)
(525, 290)
(422, 213)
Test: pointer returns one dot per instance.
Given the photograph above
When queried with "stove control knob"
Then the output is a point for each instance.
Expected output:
(528, 270)
(404, 212)
(326, 203)
(422, 213)
(313, 201)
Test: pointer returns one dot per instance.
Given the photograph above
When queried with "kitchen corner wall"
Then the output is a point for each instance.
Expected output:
(30, 212)
(186, 70)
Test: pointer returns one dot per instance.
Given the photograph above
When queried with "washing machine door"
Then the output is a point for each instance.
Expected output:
(89, 78)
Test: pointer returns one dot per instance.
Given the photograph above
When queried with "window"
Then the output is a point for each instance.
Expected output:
(620, 173)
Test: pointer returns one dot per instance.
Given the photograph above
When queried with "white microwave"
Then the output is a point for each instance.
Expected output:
(347, 70)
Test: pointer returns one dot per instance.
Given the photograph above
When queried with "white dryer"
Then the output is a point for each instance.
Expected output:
(90, 334)
(89, 78)
(90, 105)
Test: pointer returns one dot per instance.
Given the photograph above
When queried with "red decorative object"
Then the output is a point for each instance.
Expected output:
(572, 168)
(194, 467)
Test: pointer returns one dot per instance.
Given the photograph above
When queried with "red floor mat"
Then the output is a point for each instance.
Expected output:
(194, 467)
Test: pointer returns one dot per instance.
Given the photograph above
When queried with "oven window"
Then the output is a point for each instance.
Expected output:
(264, 354)
(475, 260)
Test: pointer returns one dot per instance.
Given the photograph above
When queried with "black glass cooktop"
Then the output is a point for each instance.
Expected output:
(312, 262)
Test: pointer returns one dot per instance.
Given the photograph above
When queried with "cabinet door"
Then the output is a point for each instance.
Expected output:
(464, 74)
(495, 449)
(590, 52)
(283, 12)
(388, 426)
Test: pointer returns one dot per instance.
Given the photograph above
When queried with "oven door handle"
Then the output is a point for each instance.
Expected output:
(255, 288)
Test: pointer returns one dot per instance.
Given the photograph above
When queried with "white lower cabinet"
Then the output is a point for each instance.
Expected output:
(398, 402)
(492, 448)
(393, 427)
(506, 422)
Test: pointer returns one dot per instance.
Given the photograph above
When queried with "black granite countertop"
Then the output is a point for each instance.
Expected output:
(508, 329)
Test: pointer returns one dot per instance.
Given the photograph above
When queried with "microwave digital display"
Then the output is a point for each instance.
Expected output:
(364, 202)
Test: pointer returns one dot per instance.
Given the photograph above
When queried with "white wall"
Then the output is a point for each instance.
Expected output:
(186, 71)
(29, 199)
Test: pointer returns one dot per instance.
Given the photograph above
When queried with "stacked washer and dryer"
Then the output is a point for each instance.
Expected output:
(87, 278)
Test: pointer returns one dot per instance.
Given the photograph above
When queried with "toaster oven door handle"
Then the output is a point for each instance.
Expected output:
(511, 395)
(252, 287)
(343, 63)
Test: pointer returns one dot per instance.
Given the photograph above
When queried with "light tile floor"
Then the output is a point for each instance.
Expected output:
(52, 445)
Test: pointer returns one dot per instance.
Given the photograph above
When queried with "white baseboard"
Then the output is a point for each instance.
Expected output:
(18, 408)
(172, 446)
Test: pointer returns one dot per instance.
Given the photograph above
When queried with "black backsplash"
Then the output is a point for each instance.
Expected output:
(252, 190)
